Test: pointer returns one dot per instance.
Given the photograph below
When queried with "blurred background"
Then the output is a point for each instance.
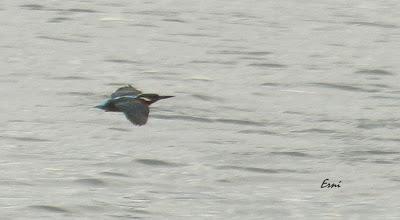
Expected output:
(272, 97)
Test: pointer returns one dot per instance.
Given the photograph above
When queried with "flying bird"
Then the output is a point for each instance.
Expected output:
(132, 102)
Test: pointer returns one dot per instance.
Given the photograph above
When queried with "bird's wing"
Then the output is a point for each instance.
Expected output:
(126, 91)
(134, 110)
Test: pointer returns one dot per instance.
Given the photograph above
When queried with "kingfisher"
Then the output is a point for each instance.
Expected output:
(132, 102)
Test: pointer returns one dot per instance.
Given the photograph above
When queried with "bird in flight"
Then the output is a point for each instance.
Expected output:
(132, 102)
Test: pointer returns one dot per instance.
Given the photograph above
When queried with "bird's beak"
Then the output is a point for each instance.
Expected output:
(98, 106)
(165, 97)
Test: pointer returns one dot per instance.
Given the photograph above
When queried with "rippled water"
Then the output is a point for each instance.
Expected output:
(272, 97)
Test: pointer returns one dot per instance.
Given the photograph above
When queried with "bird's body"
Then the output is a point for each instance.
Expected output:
(132, 102)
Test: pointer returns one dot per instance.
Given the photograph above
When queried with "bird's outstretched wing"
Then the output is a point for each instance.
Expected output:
(135, 111)
(126, 91)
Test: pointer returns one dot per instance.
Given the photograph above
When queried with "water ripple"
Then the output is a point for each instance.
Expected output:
(58, 19)
(183, 117)
(383, 162)
(343, 87)
(292, 154)
(256, 169)
(239, 52)
(82, 10)
(271, 84)
(214, 62)
(194, 35)
(174, 20)
(50, 208)
(109, 173)
(374, 72)
(206, 97)
(32, 6)
(316, 130)
(158, 13)
(373, 152)
(379, 85)
(144, 25)
(373, 124)
(63, 39)
(387, 139)
(268, 65)
(372, 24)
(263, 132)
(123, 61)
(77, 93)
(26, 139)
(239, 122)
(207, 120)
(154, 162)
(120, 129)
(37, 7)
(71, 78)
(91, 182)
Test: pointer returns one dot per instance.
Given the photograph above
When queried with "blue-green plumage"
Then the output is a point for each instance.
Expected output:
(132, 102)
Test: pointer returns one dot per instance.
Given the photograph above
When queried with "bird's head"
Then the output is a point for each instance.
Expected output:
(150, 98)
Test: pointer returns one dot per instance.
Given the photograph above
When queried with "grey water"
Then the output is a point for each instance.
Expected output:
(271, 99)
